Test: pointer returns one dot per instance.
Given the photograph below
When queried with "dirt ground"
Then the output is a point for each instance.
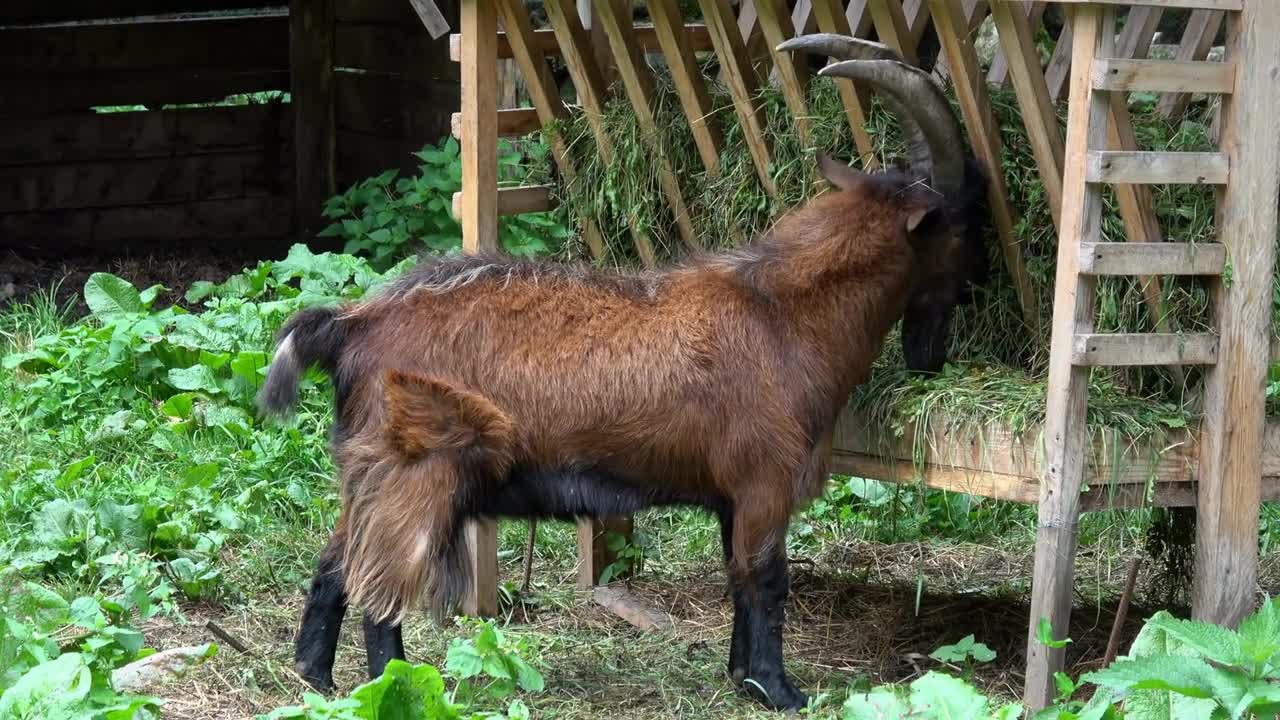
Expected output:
(853, 620)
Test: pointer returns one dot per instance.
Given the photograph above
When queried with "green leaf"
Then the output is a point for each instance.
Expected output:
(879, 704)
(1215, 643)
(1259, 634)
(943, 696)
(48, 690)
(463, 660)
(110, 297)
(1188, 676)
(1044, 633)
(196, 377)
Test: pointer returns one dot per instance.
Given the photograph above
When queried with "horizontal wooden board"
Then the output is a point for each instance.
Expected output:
(1134, 349)
(29, 94)
(1192, 4)
(258, 42)
(1156, 168)
(545, 40)
(514, 122)
(80, 137)
(379, 48)
(1163, 75)
(246, 222)
(47, 11)
(516, 200)
(393, 107)
(185, 178)
(372, 11)
(1159, 258)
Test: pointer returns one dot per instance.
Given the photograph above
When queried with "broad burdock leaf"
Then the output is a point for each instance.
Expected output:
(947, 698)
(110, 297)
(1214, 643)
(48, 690)
(196, 377)
(879, 704)
(1186, 675)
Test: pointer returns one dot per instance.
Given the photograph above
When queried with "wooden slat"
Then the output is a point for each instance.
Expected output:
(1125, 349)
(1034, 16)
(855, 99)
(1058, 71)
(256, 222)
(1158, 258)
(572, 39)
(1139, 30)
(1038, 114)
(432, 19)
(645, 36)
(1163, 76)
(858, 19)
(1155, 168)
(686, 75)
(1235, 400)
(1065, 434)
(1191, 4)
(42, 11)
(975, 106)
(514, 122)
(81, 137)
(917, 14)
(312, 99)
(592, 536)
(1197, 38)
(261, 42)
(742, 85)
(891, 27)
(45, 93)
(515, 200)
(777, 28)
(639, 88)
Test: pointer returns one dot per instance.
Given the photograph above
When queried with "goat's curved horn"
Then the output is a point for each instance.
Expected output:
(843, 47)
(924, 102)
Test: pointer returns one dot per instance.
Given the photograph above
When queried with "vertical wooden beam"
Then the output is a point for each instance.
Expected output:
(1065, 433)
(1234, 412)
(775, 22)
(1022, 61)
(594, 554)
(891, 28)
(639, 89)
(742, 87)
(831, 19)
(574, 47)
(975, 106)
(1197, 39)
(311, 29)
(480, 234)
(687, 77)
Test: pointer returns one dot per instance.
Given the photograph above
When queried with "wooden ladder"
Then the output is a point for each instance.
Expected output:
(1236, 353)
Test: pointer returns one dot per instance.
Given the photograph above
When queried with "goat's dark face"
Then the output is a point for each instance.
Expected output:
(952, 266)
(952, 259)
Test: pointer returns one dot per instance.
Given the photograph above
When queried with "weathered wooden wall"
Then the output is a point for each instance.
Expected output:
(73, 178)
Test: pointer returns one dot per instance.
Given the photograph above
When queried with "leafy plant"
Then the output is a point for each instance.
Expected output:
(628, 555)
(934, 695)
(965, 652)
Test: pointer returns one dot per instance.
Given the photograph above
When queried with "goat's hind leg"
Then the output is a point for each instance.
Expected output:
(317, 640)
(739, 647)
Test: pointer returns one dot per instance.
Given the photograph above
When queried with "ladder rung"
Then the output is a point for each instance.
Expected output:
(516, 200)
(1163, 75)
(1168, 4)
(1116, 349)
(1152, 258)
(516, 122)
(1140, 167)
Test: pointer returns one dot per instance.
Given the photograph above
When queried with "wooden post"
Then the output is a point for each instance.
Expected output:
(1065, 433)
(1231, 439)
(479, 219)
(311, 25)
(594, 554)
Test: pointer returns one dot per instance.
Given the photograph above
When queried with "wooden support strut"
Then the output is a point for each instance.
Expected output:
(831, 19)
(1202, 27)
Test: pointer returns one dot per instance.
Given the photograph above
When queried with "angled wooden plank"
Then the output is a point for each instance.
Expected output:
(975, 106)
(891, 27)
(545, 40)
(1134, 349)
(1038, 114)
(831, 18)
(687, 77)
(917, 14)
(1164, 76)
(1058, 71)
(742, 87)
(757, 51)
(1197, 38)
(1234, 403)
(999, 72)
(1165, 4)
(1139, 30)
(777, 28)
(1155, 168)
(1152, 258)
(572, 39)
(639, 88)
(802, 18)
(547, 108)
(858, 19)
(1065, 434)
(432, 19)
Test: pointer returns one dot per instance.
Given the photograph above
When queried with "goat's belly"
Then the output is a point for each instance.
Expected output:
(565, 493)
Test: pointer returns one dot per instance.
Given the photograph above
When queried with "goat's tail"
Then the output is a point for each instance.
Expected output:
(311, 337)
(439, 450)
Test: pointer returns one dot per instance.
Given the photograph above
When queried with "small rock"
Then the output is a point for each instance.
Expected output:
(152, 670)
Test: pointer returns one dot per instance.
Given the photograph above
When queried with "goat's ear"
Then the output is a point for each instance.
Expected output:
(922, 223)
(839, 174)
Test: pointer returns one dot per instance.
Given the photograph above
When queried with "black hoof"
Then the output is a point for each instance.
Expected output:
(778, 695)
(738, 674)
(319, 681)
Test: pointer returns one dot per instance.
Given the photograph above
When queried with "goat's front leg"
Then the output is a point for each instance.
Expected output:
(739, 649)
(317, 640)
(765, 595)
(382, 642)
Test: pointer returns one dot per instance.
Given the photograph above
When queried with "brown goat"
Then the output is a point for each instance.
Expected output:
(490, 387)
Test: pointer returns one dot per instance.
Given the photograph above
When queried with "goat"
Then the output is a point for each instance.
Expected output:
(491, 387)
